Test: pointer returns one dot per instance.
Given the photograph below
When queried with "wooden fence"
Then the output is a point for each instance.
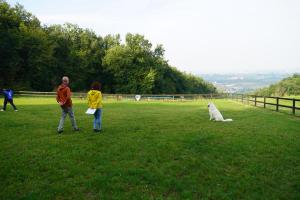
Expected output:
(277, 102)
(119, 97)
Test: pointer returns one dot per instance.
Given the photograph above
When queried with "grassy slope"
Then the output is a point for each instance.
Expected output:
(149, 150)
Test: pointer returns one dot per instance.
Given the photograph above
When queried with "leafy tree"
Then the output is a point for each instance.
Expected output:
(287, 86)
(35, 57)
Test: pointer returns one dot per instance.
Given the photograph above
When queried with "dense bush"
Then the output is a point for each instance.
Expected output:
(286, 87)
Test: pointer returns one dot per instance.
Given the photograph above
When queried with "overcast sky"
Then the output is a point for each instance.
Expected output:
(199, 36)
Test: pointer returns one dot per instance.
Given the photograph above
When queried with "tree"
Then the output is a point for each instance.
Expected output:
(35, 57)
(287, 86)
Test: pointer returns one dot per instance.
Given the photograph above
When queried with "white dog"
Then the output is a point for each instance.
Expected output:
(215, 114)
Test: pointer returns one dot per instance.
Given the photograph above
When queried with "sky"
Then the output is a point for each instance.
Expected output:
(199, 36)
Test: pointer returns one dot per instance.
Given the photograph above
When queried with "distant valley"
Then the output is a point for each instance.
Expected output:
(242, 82)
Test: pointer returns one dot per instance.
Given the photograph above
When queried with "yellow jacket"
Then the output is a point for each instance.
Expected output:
(94, 98)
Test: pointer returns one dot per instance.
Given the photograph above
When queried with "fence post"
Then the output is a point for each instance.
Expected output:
(255, 100)
(242, 98)
(294, 106)
(264, 102)
(277, 103)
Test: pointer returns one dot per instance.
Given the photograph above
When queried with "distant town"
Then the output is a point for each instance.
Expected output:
(243, 82)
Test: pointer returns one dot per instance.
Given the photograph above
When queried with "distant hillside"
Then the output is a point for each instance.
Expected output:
(243, 82)
(286, 87)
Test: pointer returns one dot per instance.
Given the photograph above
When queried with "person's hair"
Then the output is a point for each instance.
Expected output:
(96, 86)
(65, 78)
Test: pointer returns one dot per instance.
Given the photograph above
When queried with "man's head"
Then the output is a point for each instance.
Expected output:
(65, 80)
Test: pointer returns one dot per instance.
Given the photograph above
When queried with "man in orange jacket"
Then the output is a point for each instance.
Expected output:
(63, 97)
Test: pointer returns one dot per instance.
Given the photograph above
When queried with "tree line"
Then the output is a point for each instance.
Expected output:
(35, 57)
(286, 87)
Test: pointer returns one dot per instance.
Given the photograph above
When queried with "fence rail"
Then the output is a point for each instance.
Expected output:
(144, 97)
(278, 102)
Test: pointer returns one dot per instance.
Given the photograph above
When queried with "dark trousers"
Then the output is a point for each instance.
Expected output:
(11, 103)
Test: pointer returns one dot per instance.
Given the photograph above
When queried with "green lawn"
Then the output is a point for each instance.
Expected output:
(149, 150)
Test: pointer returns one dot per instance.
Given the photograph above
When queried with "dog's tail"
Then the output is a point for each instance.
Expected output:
(227, 120)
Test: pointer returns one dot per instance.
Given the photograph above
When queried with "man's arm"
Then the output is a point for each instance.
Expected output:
(68, 93)
(57, 98)
(68, 96)
(4, 92)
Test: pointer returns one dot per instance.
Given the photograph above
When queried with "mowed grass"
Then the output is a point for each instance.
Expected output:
(149, 150)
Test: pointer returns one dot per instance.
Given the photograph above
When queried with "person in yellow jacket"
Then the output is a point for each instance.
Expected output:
(94, 99)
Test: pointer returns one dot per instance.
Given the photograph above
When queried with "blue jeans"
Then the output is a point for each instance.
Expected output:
(98, 119)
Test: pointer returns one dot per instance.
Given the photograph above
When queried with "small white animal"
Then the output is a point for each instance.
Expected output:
(215, 114)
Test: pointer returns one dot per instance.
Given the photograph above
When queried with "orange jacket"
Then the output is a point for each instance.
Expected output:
(63, 96)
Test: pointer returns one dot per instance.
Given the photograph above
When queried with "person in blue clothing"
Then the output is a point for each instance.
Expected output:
(8, 97)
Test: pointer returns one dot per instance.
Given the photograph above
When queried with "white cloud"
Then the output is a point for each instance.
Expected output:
(199, 36)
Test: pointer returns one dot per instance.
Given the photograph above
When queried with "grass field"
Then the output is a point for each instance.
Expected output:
(149, 150)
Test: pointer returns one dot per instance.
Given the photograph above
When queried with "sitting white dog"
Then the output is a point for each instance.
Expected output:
(215, 114)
